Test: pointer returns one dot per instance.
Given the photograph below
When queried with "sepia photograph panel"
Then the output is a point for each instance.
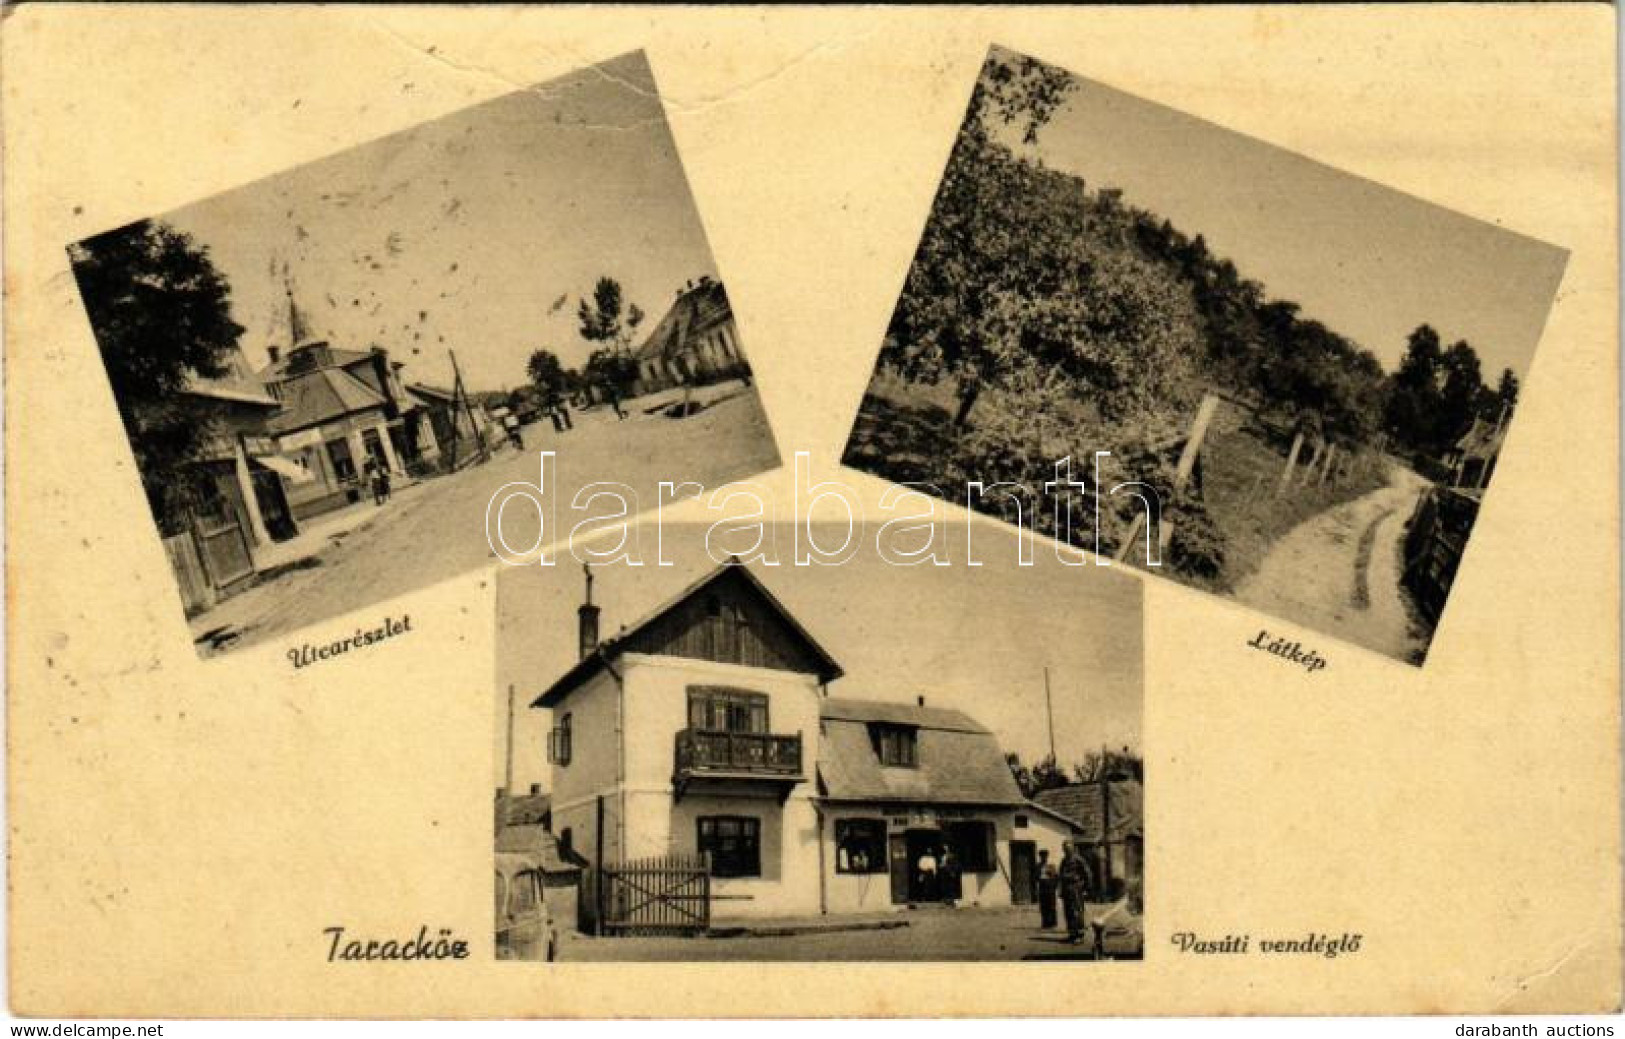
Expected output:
(324, 376)
(731, 760)
(1270, 380)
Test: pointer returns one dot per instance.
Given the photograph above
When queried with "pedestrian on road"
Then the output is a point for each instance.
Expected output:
(564, 414)
(1074, 877)
(1049, 879)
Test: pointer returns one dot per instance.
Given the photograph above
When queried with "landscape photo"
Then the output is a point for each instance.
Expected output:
(1286, 385)
(731, 759)
(325, 376)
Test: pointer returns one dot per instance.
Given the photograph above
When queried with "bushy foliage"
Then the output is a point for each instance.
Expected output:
(161, 314)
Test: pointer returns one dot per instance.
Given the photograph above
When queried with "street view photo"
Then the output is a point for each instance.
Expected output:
(732, 759)
(325, 375)
(1310, 375)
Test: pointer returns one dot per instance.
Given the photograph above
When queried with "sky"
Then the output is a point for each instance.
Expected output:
(972, 638)
(477, 232)
(1369, 262)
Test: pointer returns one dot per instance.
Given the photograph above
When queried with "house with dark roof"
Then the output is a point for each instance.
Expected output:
(1110, 818)
(340, 410)
(695, 342)
(706, 731)
(1472, 458)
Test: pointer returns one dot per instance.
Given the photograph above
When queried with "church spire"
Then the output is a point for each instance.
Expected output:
(298, 330)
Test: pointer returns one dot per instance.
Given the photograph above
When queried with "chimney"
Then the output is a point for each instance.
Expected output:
(589, 619)
(275, 352)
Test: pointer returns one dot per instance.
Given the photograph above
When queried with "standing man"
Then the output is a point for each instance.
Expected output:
(1048, 881)
(1074, 890)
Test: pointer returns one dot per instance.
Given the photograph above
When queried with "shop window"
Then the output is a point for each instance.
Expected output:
(338, 452)
(860, 845)
(972, 845)
(734, 843)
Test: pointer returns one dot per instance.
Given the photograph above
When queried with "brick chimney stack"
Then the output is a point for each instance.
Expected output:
(589, 619)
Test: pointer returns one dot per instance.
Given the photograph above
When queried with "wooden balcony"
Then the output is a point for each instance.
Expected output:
(737, 756)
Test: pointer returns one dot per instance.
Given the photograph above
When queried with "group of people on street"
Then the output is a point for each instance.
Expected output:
(937, 875)
(377, 480)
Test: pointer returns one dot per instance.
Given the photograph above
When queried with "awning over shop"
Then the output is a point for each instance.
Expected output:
(293, 472)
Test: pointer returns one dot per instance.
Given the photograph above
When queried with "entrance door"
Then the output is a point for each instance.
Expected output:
(901, 868)
(924, 886)
(1023, 871)
(273, 503)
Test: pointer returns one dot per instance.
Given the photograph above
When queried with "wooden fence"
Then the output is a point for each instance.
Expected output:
(667, 894)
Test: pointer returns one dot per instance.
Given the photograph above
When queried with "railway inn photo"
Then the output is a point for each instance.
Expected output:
(770, 764)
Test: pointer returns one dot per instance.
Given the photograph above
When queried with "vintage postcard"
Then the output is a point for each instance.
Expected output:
(819, 763)
(1152, 337)
(623, 512)
(325, 374)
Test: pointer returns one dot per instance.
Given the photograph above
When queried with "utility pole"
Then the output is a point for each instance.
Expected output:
(1105, 821)
(1049, 712)
(459, 393)
(507, 785)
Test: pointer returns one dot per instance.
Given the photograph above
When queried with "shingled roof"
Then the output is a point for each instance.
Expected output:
(960, 761)
(322, 396)
(1082, 803)
(696, 311)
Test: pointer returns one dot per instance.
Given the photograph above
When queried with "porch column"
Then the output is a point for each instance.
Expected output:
(389, 450)
(358, 454)
(426, 441)
(251, 502)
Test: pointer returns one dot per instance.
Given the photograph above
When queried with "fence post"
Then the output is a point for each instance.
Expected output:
(1331, 453)
(1188, 457)
(1291, 460)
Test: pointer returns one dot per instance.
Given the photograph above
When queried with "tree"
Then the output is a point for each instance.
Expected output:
(547, 376)
(603, 321)
(943, 326)
(1413, 396)
(1043, 775)
(1506, 391)
(1460, 395)
(612, 371)
(1109, 765)
(161, 314)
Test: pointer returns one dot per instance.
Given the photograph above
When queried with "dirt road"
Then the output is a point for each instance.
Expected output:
(930, 934)
(436, 530)
(1338, 572)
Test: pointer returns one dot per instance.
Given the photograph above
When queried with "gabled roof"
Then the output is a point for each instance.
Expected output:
(916, 715)
(1482, 439)
(322, 396)
(227, 388)
(696, 311)
(337, 358)
(960, 762)
(527, 809)
(608, 649)
(530, 846)
(434, 393)
(1081, 803)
